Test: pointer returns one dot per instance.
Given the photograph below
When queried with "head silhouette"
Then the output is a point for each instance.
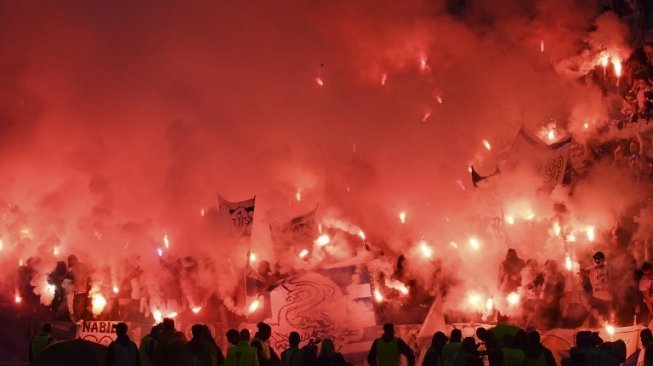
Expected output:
(244, 335)
(232, 336)
(456, 336)
(121, 329)
(293, 339)
(388, 330)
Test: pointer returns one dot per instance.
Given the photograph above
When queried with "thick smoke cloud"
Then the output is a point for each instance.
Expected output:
(121, 121)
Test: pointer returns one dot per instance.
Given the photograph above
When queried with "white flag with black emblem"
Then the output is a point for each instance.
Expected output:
(241, 215)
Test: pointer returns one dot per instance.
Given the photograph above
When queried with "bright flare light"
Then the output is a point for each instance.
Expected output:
(115, 289)
(159, 251)
(323, 240)
(50, 288)
(397, 285)
(319, 81)
(427, 114)
(172, 315)
(616, 64)
(453, 244)
(252, 257)
(586, 125)
(196, 309)
(384, 78)
(604, 59)
(487, 145)
(377, 295)
(2, 244)
(510, 220)
(426, 250)
(542, 45)
(551, 135)
(473, 242)
(158, 317)
(513, 298)
(590, 233)
(402, 217)
(361, 234)
(166, 242)
(609, 328)
(18, 299)
(556, 228)
(474, 299)
(98, 303)
(571, 238)
(303, 253)
(55, 251)
(568, 263)
(422, 63)
(254, 306)
(298, 196)
(489, 304)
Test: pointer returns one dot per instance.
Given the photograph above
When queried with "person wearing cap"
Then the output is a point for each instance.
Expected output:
(387, 349)
(40, 341)
(600, 278)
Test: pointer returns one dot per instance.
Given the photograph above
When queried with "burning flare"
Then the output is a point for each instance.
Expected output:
(402, 217)
(303, 253)
(254, 306)
(427, 252)
(166, 242)
(196, 309)
(377, 295)
(513, 299)
(487, 145)
(323, 240)
(474, 243)
(98, 302)
(489, 304)
(590, 233)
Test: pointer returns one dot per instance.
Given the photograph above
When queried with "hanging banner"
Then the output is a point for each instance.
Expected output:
(240, 214)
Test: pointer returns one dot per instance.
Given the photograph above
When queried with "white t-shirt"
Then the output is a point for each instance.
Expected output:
(600, 280)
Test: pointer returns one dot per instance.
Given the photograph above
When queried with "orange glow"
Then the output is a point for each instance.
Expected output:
(489, 304)
(427, 252)
(510, 220)
(159, 251)
(616, 64)
(166, 242)
(98, 302)
(196, 309)
(384, 77)
(361, 234)
(303, 253)
(427, 114)
(254, 306)
(542, 46)
(474, 243)
(319, 81)
(377, 295)
(298, 196)
(513, 299)
(568, 263)
(115, 289)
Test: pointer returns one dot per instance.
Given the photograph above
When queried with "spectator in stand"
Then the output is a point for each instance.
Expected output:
(122, 351)
(536, 353)
(601, 280)
(148, 346)
(645, 355)
(242, 354)
(552, 293)
(510, 272)
(387, 350)
(40, 341)
(328, 355)
(454, 344)
(78, 285)
(198, 351)
(531, 283)
(266, 354)
(292, 356)
(433, 355)
(646, 287)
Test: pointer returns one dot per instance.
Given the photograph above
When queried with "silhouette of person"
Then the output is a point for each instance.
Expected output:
(328, 355)
(451, 347)
(40, 341)
(198, 352)
(537, 353)
(293, 356)
(266, 355)
(122, 351)
(148, 345)
(242, 354)
(387, 350)
(433, 356)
